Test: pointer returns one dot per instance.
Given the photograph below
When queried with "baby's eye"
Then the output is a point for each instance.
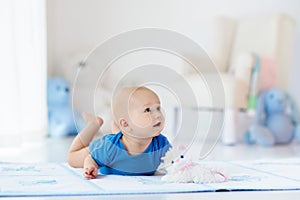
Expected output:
(158, 108)
(147, 110)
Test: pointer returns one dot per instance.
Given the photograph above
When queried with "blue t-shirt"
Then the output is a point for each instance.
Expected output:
(112, 158)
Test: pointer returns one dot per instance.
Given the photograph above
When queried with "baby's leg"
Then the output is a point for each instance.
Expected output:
(79, 147)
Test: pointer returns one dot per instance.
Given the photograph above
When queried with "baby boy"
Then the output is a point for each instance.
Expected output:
(138, 146)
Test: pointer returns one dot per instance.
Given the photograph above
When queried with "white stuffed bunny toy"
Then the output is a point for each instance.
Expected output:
(180, 169)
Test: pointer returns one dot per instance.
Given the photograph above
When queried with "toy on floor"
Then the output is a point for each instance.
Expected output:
(180, 169)
(277, 119)
(60, 113)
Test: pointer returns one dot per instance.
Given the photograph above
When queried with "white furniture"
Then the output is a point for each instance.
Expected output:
(233, 44)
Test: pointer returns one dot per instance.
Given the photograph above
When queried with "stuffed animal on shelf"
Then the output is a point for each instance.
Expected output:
(60, 113)
(180, 169)
(276, 120)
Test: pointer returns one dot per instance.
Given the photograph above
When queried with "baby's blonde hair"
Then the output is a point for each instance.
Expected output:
(120, 101)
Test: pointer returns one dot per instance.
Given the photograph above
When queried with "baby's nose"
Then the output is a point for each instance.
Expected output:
(157, 114)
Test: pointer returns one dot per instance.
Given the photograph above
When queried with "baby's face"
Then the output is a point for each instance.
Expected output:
(145, 115)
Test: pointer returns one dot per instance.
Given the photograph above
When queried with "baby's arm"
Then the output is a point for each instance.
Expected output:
(90, 168)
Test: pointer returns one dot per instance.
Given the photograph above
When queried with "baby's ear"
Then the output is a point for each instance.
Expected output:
(124, 125)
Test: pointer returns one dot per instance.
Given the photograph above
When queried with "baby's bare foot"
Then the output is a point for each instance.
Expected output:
(92, 119)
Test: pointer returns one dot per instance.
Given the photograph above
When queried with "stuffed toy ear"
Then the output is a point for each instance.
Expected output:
(294, 110)
(260, 109)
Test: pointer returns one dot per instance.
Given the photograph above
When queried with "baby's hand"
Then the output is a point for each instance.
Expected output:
(92, 119)
(90, 172)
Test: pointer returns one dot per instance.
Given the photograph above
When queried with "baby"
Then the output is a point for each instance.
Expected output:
(138, 146)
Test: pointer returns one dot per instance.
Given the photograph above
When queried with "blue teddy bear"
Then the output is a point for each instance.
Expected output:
(277, 120)
(60, 113)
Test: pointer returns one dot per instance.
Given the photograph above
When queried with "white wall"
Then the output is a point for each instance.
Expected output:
(76, 26)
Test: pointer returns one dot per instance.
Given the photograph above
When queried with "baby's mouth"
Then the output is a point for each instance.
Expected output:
(157, 124)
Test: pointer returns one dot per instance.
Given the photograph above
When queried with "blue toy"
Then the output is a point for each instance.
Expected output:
(60, 114)
(277, 120)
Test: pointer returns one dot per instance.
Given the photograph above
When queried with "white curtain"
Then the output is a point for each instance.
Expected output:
(23, 111)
